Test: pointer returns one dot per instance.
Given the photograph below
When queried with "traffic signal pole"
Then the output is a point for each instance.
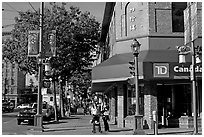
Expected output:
(136, 84)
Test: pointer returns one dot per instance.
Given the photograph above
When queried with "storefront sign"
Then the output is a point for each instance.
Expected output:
(184, 69)
(161, 69)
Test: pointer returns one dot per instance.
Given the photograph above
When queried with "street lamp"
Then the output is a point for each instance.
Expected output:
(135, 49)
(138, 118)
(195, 52)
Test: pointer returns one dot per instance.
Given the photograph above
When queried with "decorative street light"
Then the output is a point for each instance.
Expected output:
(195, 53)
(135, 49)
(138, 118)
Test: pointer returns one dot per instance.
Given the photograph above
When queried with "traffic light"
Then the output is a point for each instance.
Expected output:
(46, 83)
(132, 68)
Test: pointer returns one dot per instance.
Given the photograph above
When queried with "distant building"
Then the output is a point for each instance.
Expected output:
(13, 81)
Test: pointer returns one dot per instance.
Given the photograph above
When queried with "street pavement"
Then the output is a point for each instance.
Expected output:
(80, 125)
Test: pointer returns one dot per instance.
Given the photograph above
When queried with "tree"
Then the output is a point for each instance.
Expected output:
(77, 33)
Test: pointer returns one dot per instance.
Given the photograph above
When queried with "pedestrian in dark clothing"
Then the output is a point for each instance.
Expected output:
(96, 122)
(105, 118)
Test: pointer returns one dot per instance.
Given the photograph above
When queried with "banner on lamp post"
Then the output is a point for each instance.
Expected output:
(192, 22)
(50, 46)
(33, 43)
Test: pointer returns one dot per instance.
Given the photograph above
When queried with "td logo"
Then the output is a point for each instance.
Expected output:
(161, 69)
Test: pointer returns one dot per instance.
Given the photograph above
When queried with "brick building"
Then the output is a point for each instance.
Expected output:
(159, 27)
(13, 80)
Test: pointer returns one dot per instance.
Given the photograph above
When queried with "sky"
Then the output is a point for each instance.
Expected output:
(11, 10)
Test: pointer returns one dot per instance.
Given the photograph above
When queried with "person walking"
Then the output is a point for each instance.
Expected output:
(106, 118)
(96, 117)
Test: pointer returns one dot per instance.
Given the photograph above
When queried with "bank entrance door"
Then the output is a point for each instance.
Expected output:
(174, 101)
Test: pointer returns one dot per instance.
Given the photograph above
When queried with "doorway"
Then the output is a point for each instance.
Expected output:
(174, 101)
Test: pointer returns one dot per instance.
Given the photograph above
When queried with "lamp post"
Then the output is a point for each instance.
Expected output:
(138, 118)
(38, 116)
(135, 49)
(195, 52)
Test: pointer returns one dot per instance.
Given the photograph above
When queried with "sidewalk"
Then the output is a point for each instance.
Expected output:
(80, 125)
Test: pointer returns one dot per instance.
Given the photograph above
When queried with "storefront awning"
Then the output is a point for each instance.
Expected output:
(116, 68)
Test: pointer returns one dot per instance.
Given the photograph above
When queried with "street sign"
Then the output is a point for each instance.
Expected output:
(33, 43)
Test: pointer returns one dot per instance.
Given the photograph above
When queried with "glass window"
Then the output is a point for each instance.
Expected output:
(131, 101)
(178, 16)
(51, 98)
(12, 81)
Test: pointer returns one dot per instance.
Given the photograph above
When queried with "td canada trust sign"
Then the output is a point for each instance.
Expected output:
(161, 70)
(164, 70)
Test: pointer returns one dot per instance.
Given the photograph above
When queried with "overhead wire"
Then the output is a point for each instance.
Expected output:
(12, 7)
(32, 6)
(9, 10)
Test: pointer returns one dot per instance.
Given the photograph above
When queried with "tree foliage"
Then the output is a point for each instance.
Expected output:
(77, 33)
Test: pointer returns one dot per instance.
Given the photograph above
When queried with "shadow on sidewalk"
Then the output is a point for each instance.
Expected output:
(61, 129)
(60, 120)
(53, 122)
(70, 117)
(119, 130)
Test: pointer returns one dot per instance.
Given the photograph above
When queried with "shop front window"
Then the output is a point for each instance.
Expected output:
(131, 106)
(174, 101)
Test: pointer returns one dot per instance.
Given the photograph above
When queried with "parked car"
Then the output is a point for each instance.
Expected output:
(24, 106)
(47, 111)
(7, 107)
(26, 115)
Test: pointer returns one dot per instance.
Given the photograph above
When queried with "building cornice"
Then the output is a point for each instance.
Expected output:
(154, 35)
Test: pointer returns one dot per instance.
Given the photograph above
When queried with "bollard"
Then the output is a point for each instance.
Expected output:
(155, 120)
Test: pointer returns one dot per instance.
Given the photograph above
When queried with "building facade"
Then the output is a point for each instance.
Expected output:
(13, 81)
(164, 84)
